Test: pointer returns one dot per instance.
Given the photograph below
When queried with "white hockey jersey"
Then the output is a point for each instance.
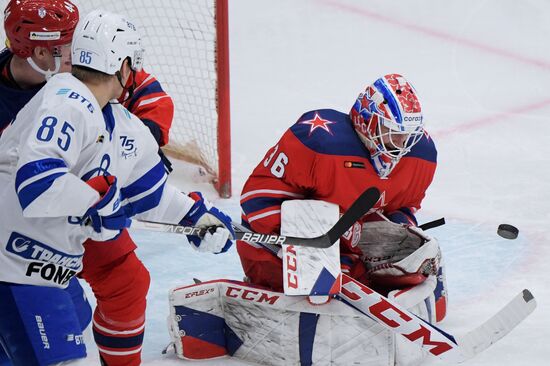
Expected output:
(60, 139)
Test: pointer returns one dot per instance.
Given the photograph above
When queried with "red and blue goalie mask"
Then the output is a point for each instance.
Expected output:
(388, 119)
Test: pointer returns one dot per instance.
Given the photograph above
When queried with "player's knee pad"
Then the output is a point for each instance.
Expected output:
(119, 319)
(123, 282)
(39, 325)
(140, 278)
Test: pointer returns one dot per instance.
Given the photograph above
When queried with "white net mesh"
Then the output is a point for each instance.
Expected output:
(179, 37)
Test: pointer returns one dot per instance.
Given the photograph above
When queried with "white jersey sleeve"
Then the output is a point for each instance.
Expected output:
(146, 194)
(172, 207)
(44, 183)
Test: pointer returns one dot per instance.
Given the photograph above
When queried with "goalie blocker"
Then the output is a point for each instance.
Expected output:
(231, 318)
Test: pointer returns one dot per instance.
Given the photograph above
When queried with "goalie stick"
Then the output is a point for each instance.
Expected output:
(359, 207)
(431, 338)
(434, 340)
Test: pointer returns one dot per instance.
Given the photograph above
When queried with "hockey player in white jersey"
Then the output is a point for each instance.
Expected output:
(75, 165)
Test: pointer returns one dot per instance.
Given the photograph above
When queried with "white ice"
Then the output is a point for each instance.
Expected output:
(482, 68)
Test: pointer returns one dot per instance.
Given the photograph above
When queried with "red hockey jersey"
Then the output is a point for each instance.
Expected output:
(321, 157)
(151, 104)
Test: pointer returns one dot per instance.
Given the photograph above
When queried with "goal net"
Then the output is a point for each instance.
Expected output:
(186, 49)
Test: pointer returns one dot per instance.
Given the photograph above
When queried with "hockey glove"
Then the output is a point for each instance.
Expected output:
(402, 216)
(219, 234)
(106, 216)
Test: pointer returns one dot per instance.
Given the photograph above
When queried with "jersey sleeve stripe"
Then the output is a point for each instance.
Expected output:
(32, 191)
(261, 203)
(154, 87)
(144, 184)
(145, 201)
(272, 192)
(140, 196)
(118, 342)
(38, 169)
(252, 218)
(145, 102)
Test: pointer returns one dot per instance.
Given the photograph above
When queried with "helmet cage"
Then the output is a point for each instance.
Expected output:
(381, 129)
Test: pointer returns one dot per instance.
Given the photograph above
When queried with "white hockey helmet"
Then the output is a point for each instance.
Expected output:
(103, 40)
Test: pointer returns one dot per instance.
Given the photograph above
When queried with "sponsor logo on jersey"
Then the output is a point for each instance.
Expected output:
(129, 149)
(46, 262)
(74, 95)
(354, 164)
(28, 248)
(50, 272)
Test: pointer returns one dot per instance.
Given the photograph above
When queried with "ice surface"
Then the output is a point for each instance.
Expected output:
(482, 69)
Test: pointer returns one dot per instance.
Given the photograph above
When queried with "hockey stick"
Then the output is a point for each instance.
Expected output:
(360, 207)
(432, 339)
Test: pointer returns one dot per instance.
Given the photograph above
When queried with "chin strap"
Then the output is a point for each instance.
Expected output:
(132, 87)
(382, 164)
(47, 73)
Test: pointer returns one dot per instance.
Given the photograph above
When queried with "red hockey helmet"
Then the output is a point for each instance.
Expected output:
(33, 23)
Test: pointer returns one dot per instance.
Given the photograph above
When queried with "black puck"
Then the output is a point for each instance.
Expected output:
(507, 231)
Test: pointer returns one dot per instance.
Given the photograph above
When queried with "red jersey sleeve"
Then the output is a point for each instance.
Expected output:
(287, 171)
(151, 104)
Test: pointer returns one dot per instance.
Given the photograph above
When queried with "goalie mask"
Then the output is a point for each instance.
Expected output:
(387, 116)
(103, 40)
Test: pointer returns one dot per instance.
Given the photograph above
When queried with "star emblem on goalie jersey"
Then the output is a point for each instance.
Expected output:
(318, 122)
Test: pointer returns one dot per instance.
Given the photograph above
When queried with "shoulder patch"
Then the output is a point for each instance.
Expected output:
(330, 132)
(75, 96)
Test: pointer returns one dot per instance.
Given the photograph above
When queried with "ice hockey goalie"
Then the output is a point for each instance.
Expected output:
(224, 318)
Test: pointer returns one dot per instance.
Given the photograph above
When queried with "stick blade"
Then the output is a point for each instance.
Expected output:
(499, 325)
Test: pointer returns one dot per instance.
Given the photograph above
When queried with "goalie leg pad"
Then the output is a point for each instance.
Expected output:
(440, 295)
(272, 329)
(204, 335)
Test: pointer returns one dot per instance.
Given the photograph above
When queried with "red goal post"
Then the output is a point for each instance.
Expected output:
(187, 49)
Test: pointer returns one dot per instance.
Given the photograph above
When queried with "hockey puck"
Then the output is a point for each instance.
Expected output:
(507, 231)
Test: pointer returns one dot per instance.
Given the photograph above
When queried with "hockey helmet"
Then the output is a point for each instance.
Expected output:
(33, 23)
(387, 116)
(103, 40)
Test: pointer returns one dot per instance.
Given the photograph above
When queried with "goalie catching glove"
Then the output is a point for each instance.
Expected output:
(219, 231)
(398, 255)
(105, 217)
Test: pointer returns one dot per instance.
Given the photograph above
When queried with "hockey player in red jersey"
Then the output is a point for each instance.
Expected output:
(25, 66)
(332, 156)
